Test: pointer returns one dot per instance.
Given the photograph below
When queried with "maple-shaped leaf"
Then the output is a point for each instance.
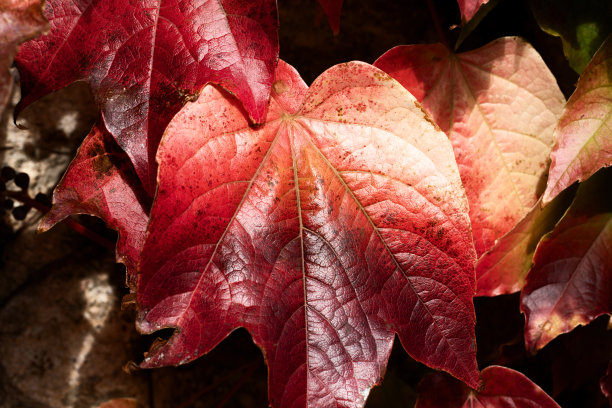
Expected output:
(570, 282)
(583, 137)
(100, 181)
(20, 20)
(499, 105)
(503, 269)
(143, 59)
(606, 383)
(581, 26)
(502, 388)
(469, 8)
(332, 9)
(337, 224)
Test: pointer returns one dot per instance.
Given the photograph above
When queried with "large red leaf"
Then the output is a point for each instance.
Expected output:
(469, 8)
(498, 105)
(101, 182)
(503, 388)
(20, 20)
(571, 280)
(583, 138)
(339, 223)
(145, 58)
(503, 269)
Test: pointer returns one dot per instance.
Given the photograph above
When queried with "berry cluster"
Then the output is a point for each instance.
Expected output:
(9, 197)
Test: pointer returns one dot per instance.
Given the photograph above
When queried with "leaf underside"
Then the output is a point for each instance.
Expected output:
(337, 224)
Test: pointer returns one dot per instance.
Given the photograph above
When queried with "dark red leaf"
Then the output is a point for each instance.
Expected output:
(337, 224)
(101, 182)
(570, 282)
(145, 58)
(20, 20)
(332, 8)
(503, 388)
(499, 105)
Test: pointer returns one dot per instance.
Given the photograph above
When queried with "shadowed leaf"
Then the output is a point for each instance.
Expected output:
(571, 280)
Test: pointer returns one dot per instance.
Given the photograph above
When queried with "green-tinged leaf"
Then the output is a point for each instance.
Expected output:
(583, 137)
(582, 26)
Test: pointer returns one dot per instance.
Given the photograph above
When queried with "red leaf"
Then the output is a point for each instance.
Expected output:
(101, 182)
(503, 388)
(145, 58)
(469, 8)
(571, 279)
(606, 383)
(332, 8)
(503, 269)
(20, 20)
(584, 134)
(338, 223)
(498, 105)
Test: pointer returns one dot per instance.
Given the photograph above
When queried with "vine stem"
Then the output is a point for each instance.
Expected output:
(436, 21)
(80, 228)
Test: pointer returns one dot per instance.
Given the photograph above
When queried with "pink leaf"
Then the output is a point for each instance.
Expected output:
(337, 224)
(143, 59)
(584, 134)
(498, 105)
(503, 388)
(571, 280)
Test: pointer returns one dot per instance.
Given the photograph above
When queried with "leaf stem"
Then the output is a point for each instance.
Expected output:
(436, 21)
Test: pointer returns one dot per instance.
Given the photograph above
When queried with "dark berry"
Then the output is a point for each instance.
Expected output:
(19, 213)
(43, 199)
(7, 204)
(22, 180)
(7, 173)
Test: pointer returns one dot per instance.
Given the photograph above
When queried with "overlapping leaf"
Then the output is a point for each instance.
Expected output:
(571, 280)
(581, 26)
(503, 269)
(101, 182)
(498, 105)
(20, 20)
(583, 138)
(503, 388)
(145, 58)
(337, 224)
